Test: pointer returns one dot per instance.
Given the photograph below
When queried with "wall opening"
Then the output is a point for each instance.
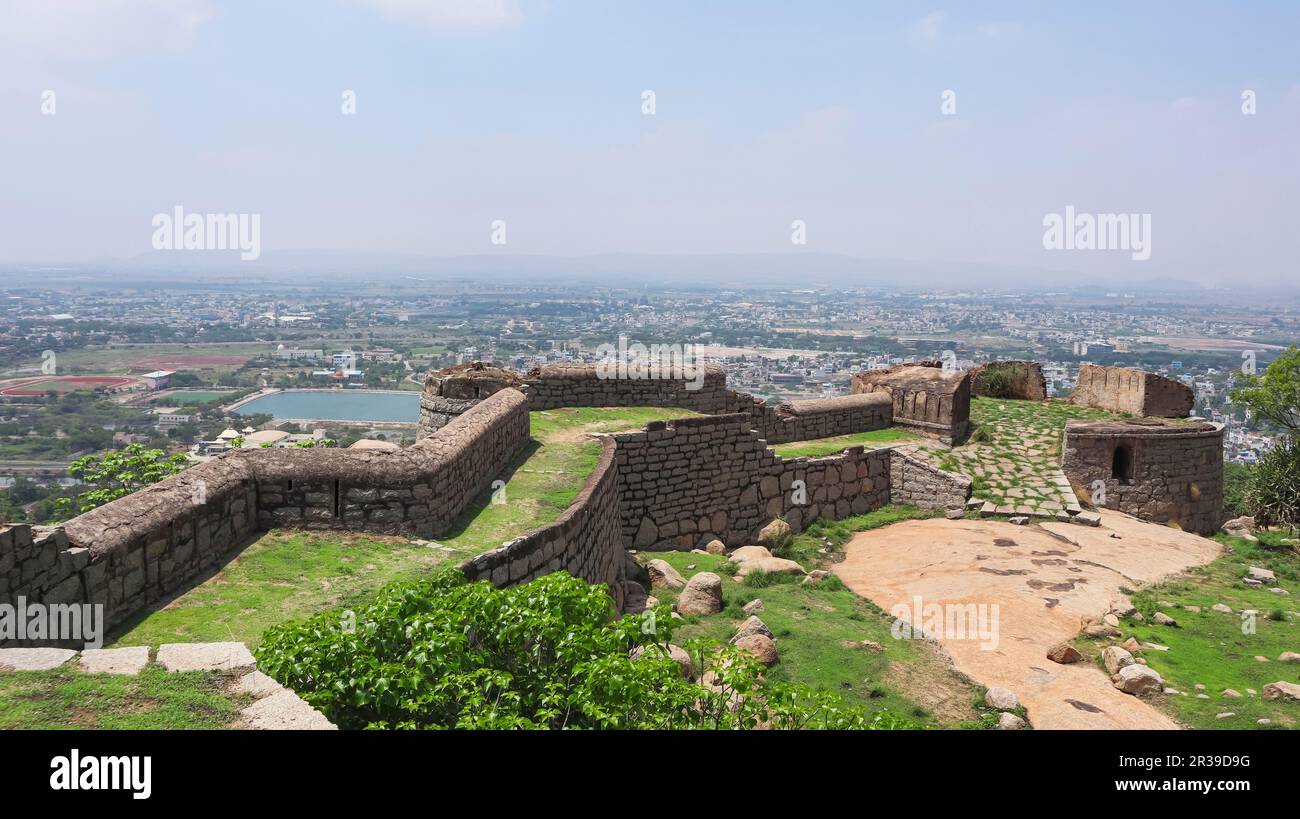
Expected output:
(338, 500)
(1121, 464)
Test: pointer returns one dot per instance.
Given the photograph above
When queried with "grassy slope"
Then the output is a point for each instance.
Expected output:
(1210, 647)
(833, 446)
(820, 629)
(67, 698)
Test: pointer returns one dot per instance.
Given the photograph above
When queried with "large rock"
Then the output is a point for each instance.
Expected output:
(747, 553)
(1262, 575)
(1001, 699)
(1115, 658)
(753, 606)
(1010, 722)
(1288, 657)
(702, 595)
(752, 625)
(770, 565)
(776, 535)
(715, 547)
(1139, 680)
(1243, 526)
(1163, 619)
(676, 653)
(664, 576)
(1282, 690)
(761, 646)
(1064, 653)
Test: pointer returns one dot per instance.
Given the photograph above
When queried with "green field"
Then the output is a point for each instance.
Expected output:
(195, 396)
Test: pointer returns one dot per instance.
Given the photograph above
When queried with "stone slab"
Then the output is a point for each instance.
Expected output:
(258, 684)
(130, 660)
(286, 711)
(204, 656)
(34, 659)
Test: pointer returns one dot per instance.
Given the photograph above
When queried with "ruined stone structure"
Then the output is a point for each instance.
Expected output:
(1136, 392)
(1164, 472)
(926, 397)
(451, 392)
(1023, 380)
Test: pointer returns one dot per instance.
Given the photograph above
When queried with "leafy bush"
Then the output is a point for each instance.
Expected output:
(446, 653)
(997, 381)
(118, 474)
(1273, 494)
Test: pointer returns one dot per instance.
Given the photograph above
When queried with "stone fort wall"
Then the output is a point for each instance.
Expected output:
(1136, 392)
(1161, 472)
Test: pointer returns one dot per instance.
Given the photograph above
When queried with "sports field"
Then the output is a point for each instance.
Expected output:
(64, 384)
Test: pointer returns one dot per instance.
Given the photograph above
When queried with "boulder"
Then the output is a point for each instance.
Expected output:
(1243, 526)
(770, 565)
(1163, 619)
(1100, 630)
(1282, 690)
(1001, 699)
(1139, 680)
(1262, 575)
(715, 547)
(752, 625)
(753, 607)
(1220, 607)
(702, 595)
(676, 653)
(664, 576)
(1064, 653)
(747, 553)
(1010, 722)
(761, 646)
(1288, 657)
(776, 535)
(1115, 658)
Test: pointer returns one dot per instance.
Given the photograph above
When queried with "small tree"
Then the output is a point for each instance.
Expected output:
(1275, 395)
(118, 474)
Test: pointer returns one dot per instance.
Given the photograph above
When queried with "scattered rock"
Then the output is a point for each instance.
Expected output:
(753, 625)
(651, 601)
(1262, 575)
(1001, 699)
(1131, 645)
(770, 565)
(1193, 609)
(1282, 690)
(1123, 608)
(1064, 653)
(1111, 620)
(753, 607)
(955, 514)
(702, 595)
(747, 553)
(1230, 693)
(1288, 657)
(676, 653)
(1278, 590)
(664, 576)
(1100, 631)
(1264, 721)
(1010, 722)
(1019, 520)
(1139, 680)
(776, 535)
(761, 646)
(1164, 619)
(1243, 526)
(1259, 658)
(1116, 658)
(1224, 715)
(1221, 608)
(1087, 519)
(715, 547)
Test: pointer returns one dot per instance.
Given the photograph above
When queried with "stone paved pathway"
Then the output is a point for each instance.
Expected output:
(1014, 458)
(277, 707)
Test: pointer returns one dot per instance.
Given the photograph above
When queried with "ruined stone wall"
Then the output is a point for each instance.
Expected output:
(694, 479)
(822, 417)
(1166, 473)
(925, 397)
(1136, 392)
(586, 541)
(580, 385)
(136, 550)
(1025, 380)
(916, 483)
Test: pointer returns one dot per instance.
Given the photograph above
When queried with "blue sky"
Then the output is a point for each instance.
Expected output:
(766, 112)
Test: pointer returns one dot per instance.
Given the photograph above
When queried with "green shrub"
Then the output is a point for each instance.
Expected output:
(997, 381)
(446, 653)
(1273, 494)
(1236, 482)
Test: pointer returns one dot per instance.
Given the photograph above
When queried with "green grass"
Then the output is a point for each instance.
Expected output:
(1210, 648)
(193, 397)
(548, 475)
(285, 575)
(824, 538)
(833, 446)
(819, 632)
(65, 698)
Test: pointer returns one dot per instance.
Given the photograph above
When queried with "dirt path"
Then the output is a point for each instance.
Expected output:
(1045, 581)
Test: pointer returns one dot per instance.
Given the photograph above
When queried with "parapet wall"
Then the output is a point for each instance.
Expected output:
(581, 385)
(586, 541)
(1159, 472)
(1020, 380)
(1136, 392)
(691, 480)
(138, 549)
(916, 483)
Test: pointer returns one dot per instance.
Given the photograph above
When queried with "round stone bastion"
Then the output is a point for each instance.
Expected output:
(449, 392)
(1160, 470)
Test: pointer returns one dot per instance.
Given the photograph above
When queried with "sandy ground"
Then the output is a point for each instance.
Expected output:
(1046, 580)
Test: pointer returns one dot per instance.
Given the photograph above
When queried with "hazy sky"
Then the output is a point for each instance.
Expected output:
(531, 112)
